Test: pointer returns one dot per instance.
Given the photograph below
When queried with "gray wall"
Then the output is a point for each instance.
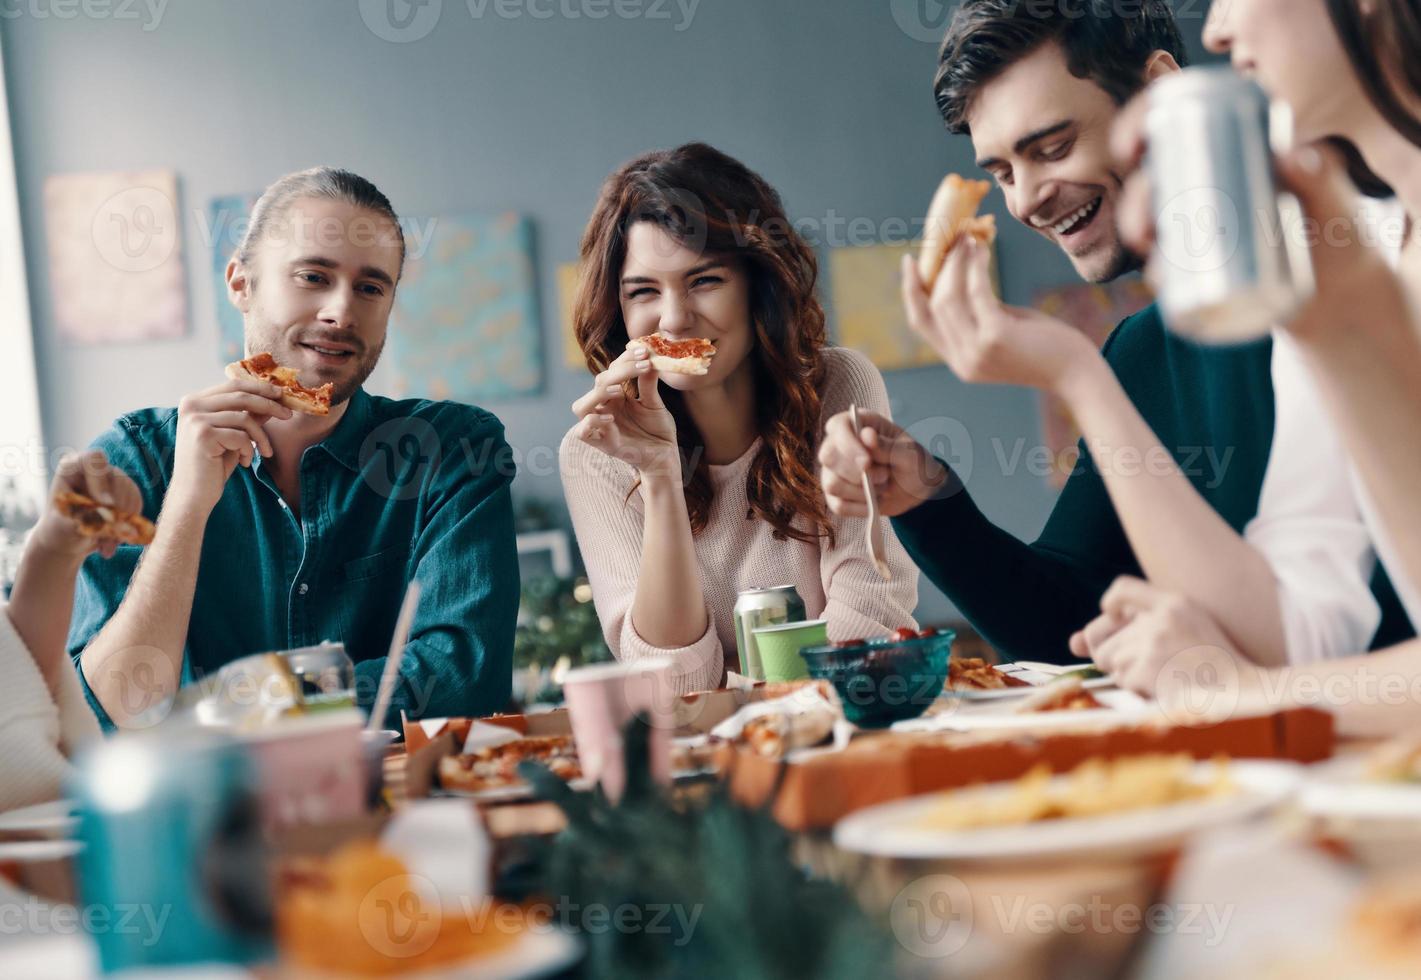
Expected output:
(830, 101)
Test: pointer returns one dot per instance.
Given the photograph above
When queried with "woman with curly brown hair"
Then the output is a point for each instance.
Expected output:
(687, 489)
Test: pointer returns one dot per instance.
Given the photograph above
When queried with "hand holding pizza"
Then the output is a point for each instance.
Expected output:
(217, 429)
(983, 340)
(639, 431)
(89, 475)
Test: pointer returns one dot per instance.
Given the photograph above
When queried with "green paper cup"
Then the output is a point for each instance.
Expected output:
(779, 647)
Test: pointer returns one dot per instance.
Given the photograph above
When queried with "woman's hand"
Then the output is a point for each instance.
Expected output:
(1158, 643)
(90, 474)
(983, 340)
(638, 431)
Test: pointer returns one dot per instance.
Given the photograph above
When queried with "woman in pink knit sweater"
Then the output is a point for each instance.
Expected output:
(684, 489)
(43, 715)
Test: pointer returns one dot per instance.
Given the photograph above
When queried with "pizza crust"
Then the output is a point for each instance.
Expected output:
(952, 214)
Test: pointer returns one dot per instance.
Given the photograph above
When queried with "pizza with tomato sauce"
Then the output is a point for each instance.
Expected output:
(496, 766)
(294, 395)
(690, 356)
(96, 520)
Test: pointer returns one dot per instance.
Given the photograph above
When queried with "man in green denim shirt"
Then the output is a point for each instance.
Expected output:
(278, 529)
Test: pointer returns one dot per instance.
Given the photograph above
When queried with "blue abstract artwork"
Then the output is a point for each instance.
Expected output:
(465, 324)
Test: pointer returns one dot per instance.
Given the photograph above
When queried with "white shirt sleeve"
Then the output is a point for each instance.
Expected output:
(1309, 525)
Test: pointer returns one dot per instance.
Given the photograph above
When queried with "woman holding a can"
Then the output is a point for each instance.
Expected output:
(1294, 587)
(1347, 367)
(686, 489)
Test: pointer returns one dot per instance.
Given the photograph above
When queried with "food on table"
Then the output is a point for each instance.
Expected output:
(1065, 694)
(691, 356)
(900, 635)
(97, 520)
(975, 674)
(358, 912)
(801, 718)
(1397, 761)
(295, 396)
(775, 735)
(496, 766)
(1097, 787)
(696, 754)
(773, 690)
(952, 214)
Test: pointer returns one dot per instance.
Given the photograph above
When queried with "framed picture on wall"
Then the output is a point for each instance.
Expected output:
(866, 292)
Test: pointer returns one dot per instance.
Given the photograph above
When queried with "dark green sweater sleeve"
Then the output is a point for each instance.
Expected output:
(1025, 599)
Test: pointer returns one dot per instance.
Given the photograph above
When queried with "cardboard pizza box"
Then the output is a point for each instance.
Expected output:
(817, 791)
(695, 714)
(422, 764)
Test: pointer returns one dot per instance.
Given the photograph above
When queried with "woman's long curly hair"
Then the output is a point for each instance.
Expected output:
(715, 205)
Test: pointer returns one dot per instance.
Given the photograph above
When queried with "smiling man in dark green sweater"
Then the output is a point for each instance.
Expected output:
(1037, 88)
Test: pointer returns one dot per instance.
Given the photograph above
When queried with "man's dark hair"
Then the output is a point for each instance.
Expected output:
(1106, 41)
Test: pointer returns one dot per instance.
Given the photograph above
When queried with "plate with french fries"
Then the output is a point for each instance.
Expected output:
(1104, 808)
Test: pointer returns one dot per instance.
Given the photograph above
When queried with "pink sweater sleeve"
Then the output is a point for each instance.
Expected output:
(36, 734)
(608, 525)
(859, 602)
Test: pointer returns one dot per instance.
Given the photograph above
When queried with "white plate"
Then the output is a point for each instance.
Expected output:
(1008, 693)
(1118, 708)
(1342, 791)
(888, 830)
(57, 818)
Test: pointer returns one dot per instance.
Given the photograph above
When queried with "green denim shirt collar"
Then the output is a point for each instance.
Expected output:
(343, 444)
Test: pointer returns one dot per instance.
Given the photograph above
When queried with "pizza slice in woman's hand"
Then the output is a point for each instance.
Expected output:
(691, 356)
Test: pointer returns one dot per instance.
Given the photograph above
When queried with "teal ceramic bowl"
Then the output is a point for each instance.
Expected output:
(883, 681)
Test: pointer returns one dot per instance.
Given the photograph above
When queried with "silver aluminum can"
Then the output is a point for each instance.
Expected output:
(762, 607)
(1229, 258)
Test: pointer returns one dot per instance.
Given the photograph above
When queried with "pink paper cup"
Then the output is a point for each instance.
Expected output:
(601, 699)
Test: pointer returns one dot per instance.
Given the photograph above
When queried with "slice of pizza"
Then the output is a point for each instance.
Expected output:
(975, 674)
(295, 395)
(1065, 694)
(496, 766)
(953, 214)
(691, 356)
(99, 521)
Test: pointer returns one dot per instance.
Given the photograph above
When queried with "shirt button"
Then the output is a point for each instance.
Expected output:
(303, 589)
